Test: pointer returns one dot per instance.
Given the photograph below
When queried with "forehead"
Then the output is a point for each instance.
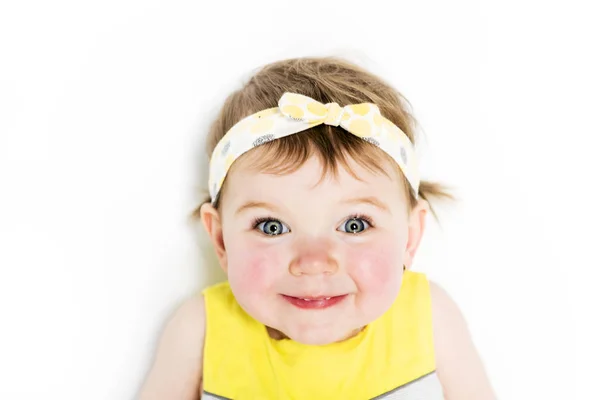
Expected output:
(310, 183)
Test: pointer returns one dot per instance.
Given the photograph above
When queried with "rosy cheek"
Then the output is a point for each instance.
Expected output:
(253, 268)
(375, 268)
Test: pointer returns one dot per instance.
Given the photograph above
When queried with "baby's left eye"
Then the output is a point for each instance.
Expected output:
(355, 225)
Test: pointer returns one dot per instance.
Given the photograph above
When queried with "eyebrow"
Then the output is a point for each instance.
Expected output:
(374, 201)
(256, 204)
(357, 200)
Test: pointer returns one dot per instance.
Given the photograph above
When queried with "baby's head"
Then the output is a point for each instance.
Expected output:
(314, 229)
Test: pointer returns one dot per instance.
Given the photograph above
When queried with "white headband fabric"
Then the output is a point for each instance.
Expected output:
(296, 113)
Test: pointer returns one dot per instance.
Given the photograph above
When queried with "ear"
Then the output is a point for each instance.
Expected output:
(212, 223)
(416, 228)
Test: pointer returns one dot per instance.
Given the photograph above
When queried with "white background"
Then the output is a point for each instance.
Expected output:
(103, 111)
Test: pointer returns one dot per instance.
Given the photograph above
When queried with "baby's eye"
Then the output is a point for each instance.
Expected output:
(355, 225)
(272, 227)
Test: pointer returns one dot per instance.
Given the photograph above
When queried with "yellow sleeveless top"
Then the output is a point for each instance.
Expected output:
(392, 358)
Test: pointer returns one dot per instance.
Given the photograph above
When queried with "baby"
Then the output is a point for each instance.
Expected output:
(316, 211)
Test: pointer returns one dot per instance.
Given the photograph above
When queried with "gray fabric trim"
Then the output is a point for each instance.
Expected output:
(211, 396)
(426, 387)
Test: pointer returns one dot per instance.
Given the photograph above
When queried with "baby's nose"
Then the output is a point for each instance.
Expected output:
(313, 263)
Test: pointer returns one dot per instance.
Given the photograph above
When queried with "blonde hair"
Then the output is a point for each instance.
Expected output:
(325, 79)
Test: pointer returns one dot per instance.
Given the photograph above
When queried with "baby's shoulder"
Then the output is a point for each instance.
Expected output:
(193, 311)
(184, 332)
(445, 313)
(458, 364)
(177, 368)
(447, 318)
(440, 298)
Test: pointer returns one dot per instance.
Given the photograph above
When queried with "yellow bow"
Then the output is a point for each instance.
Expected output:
(363, 120)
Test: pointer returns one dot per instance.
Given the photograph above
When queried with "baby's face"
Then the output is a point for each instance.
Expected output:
(315, 261)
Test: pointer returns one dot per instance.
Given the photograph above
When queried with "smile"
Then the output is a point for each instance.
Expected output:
(314, 302)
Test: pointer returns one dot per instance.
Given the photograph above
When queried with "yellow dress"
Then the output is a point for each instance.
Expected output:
(392, 358)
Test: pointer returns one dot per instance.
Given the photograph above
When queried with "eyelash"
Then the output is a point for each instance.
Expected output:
(259, 220)
(366, 218)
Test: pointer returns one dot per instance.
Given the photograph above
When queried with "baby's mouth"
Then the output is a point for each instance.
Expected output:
(310, 302)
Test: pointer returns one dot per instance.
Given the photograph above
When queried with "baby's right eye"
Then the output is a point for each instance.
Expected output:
(271, 227)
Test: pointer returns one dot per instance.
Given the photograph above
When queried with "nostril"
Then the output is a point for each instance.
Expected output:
(325, 267)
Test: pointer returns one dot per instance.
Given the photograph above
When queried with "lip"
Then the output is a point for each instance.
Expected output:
(314, 303)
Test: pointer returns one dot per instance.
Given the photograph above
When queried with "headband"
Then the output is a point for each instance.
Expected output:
(296, 113)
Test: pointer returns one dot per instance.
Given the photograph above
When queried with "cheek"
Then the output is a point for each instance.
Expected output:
(376, 267)
(252, 266)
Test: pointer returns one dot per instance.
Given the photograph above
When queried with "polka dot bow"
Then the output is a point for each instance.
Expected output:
(296, 113)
